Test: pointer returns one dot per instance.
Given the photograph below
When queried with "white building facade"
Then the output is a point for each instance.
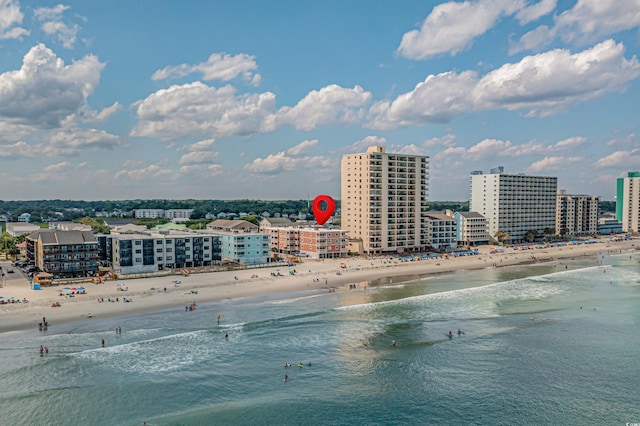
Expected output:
(628, 202)
(163, 214)
(383, 199)
(514, 203)
(471, 228)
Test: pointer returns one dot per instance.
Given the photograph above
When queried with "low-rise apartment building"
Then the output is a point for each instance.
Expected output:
(471, 228)
(152, 251)
(65, 254)
(241, 241)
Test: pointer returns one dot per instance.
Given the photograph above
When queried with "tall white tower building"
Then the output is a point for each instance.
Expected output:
(383, 197)
(628, 202)
(514, 203)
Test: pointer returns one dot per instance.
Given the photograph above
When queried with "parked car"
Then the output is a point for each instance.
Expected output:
(10, 270)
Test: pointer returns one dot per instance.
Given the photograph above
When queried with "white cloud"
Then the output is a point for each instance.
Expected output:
(622, 159)
(549, 164)
(198, 157)
(58, 172)
(569, 143)
(302, 147)
(202, 170)
(102, 115)
(556, 79)
(541, 84)
(280, 162)
(203, 145)
(197, 109)
(10, 19)
(452, 27)
(51, 18)
(437, 99)
(411, 149)
(45, 92)
(219, 66)
(73, 142)
(446, 141)
(149, 172)
(330, 105)
(16, 150)
(532, 40)
(363, 144)
(50, 13)
(535, 11)
(586, 21)
(272, 164)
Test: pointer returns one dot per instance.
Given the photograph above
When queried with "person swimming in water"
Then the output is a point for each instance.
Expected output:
(459, 332)
(286, 377)
(393, 342)
(450, 333)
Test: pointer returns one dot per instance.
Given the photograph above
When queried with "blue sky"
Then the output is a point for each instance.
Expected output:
(128, 99)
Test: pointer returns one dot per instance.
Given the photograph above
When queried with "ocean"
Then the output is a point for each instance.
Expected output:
(554, 343)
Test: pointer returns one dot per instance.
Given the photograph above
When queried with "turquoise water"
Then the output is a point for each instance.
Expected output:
(567, 366)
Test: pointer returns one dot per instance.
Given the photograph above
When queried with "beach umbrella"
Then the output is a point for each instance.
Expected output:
(73, 288)
(80, 288)
(1, 297)
(66, 288)
(11, 298)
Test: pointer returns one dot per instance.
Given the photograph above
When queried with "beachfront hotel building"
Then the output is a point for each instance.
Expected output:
(628, 202)
(514, 203)
(308, 241)
(471, 228)
(241, 242)
(576, 215)
(141, 253)
(64, 254)
(441, 230)
(383, 200)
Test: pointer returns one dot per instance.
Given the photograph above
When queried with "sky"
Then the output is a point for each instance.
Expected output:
(168, 99)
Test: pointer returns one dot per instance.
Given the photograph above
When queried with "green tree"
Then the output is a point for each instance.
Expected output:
(96, 225)
(530, 235)
(251, 218)
(502, 236)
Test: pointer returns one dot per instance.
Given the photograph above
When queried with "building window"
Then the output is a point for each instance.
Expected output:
(138, 243)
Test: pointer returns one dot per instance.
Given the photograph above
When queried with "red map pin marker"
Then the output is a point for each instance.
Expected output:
(322, 212)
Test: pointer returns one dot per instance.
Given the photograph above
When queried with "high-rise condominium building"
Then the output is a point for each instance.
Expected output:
(576, 215)
(383, 198)
(628, 202)
(514, 203)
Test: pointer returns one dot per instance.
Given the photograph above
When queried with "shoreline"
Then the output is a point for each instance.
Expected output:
(149, 295)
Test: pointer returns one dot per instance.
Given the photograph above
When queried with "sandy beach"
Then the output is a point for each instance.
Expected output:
(157, 293)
